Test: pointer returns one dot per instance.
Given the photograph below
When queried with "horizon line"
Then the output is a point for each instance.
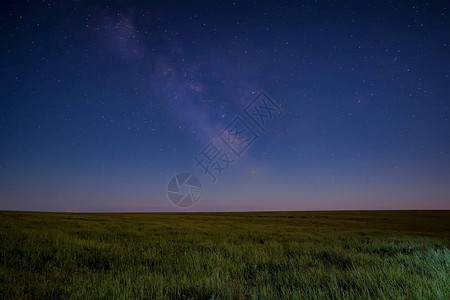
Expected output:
(205, 212)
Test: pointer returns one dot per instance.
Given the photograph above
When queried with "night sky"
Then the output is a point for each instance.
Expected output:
(101, 103)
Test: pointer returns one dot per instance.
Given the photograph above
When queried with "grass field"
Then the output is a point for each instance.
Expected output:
(278, 255)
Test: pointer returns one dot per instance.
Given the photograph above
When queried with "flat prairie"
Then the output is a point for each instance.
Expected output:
(254, 255)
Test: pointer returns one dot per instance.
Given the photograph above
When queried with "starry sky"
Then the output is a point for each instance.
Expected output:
(102, 102)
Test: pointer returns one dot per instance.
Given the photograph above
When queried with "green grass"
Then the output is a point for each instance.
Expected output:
(280, 255)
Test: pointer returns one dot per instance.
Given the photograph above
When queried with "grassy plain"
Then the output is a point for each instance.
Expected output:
(265, 255)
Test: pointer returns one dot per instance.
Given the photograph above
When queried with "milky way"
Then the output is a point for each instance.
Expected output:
(101, 105)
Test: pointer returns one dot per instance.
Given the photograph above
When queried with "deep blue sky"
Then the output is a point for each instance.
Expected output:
(101, 103)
